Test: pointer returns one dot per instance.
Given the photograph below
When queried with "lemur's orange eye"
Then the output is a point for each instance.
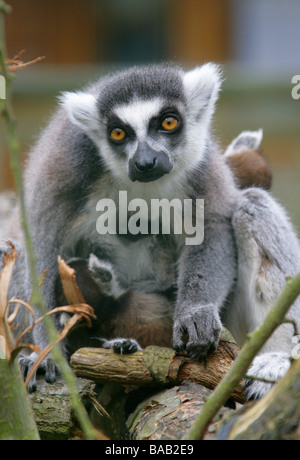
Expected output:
(169, 124)
(118, 134)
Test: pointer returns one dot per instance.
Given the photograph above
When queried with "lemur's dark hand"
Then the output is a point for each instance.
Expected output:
(122, 346)
(197, 330)
(47, 367)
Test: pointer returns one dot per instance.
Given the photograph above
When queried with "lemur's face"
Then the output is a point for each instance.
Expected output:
(145, 136)
(150, 121)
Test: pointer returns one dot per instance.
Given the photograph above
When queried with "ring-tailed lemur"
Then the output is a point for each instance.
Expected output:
(147, 131)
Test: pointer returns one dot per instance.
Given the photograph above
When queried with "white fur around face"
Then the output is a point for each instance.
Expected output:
(202, 86)
(138, 114)
(82, 109)
(111, 287)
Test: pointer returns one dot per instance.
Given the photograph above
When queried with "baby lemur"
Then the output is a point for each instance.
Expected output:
(147, 132)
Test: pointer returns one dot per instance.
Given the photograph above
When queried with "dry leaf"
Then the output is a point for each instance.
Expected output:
(9, 259)
(68, 279)
(78, 307)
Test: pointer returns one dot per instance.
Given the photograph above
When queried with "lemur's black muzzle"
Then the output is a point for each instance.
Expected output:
(148, 165)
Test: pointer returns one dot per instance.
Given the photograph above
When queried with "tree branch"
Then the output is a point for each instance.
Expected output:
(156, 367)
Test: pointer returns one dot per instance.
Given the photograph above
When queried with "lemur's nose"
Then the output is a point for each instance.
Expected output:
(148, 165)
(143, 165)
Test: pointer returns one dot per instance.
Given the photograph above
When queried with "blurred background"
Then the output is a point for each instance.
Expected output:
(257, 41)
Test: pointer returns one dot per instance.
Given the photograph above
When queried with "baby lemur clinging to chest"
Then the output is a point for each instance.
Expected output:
(147, 132)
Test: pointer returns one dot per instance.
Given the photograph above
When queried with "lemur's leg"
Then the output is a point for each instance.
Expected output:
(24, 318)
(268, 250)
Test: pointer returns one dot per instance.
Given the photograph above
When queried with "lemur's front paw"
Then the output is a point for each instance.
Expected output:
(197, 332)
(122, 346)
(47, 367)
(269, 367)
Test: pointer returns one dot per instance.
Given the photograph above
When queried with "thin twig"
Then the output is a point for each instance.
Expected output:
(16, 63)
(294, 324)
(260, 379)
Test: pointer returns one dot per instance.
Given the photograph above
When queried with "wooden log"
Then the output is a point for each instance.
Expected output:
(169, 414)
(147, 413)
(156, 367)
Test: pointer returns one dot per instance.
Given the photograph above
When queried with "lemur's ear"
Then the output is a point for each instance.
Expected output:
(202, 86)
(82, 109)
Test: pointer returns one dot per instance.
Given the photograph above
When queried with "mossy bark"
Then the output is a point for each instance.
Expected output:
(16, 416)
(53, 412)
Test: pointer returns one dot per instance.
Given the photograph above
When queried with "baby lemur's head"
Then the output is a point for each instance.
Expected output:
(148, 121)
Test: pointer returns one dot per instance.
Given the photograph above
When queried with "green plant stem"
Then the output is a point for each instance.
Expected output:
(252, 346)
(37, 297)
(16, 417)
